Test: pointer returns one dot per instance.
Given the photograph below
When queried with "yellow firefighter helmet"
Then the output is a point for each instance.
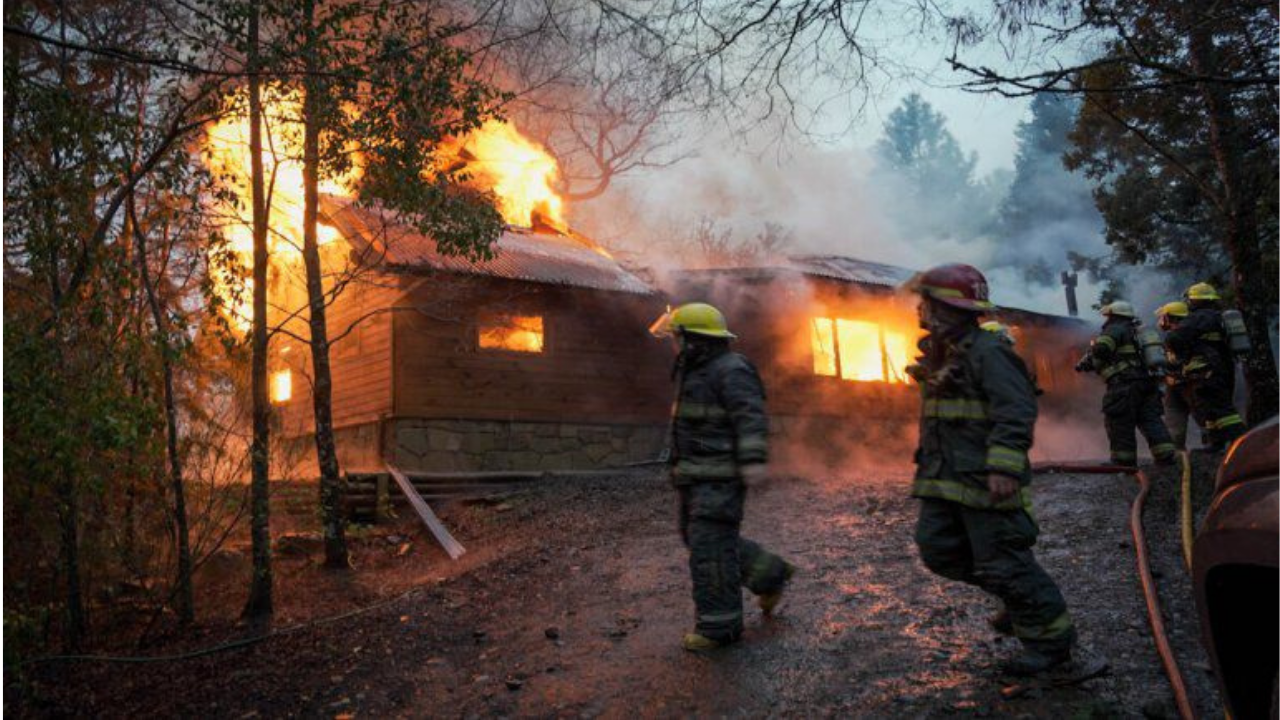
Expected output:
(1201, 291)
(1176, 309)
(694, 318)
(1119, 308)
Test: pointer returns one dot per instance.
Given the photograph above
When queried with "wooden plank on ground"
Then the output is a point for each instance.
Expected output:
(437, 528)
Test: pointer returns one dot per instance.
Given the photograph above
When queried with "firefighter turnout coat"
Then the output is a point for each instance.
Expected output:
(1199, 345)
(977, 418)
(978, 414)
(1132, 402)
(720, 422)
(719, 426)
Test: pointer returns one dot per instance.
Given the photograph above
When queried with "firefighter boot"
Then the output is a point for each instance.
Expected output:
(769, 601)
(1038, 658)
(695, 642)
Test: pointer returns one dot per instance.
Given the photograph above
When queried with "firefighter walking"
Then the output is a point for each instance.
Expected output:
(719, 448)
(1177, 404)
(1132, 400)
(1200, 345)
(972, 472)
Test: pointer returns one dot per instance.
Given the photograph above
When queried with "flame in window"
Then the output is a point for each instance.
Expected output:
(519, 333)
(859, 350)
(281, 386)
(824, 346)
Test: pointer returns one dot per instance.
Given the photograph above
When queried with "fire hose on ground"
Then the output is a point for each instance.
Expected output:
(1155, 619)
(1187, 535)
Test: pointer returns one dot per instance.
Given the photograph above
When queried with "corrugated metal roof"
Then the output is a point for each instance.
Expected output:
(519, 254)
(834, 267)
(861, 272)
(850, 269)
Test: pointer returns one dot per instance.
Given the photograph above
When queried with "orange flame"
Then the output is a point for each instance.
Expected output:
(521, 333)
(227, 152)
(497, 157)
(519, 171)
(861, 350)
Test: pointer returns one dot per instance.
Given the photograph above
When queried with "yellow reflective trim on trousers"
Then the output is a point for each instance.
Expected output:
(968, 495)
(694, 468)
(1224, 421)
(955, 409)
(750, 443)
(1006, 458)
(719, 617)
(1124, 456)
(1163, 450)
(1051, 630)
(700, 411)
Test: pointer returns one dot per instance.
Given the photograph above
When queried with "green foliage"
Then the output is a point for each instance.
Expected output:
(417, 94)
(82, 359)
(1154, 211)
(1143, 135)
(390, 86)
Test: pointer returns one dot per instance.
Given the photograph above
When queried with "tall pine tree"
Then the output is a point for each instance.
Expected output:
(926, 180)
(1049, 212)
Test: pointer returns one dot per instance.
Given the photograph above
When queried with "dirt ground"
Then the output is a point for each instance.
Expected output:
(573, 597)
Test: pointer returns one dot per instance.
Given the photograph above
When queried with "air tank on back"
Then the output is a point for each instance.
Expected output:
(1237, 333)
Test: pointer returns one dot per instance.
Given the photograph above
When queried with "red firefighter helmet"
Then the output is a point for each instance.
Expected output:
(956, 284)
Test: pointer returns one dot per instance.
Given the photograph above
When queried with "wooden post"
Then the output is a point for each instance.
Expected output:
(382, 498)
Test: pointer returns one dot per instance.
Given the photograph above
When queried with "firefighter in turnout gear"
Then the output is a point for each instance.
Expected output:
(719, 446)
(1003, 332)
(1199, 343)
(1177, 401)
(1132, 401)
(972, 473)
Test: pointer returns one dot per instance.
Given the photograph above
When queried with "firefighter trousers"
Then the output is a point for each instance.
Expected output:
(1133, 404)
(1212, 393)
(992, 550)
(721, 561)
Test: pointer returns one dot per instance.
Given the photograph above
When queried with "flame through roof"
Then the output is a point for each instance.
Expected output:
(519, 254)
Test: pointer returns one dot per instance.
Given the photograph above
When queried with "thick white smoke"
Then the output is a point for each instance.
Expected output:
(829, 200)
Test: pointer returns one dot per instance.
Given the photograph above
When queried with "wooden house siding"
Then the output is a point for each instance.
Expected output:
(598, 363)
(361, 360)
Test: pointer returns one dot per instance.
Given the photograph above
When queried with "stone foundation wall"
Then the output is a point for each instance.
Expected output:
(489, 445)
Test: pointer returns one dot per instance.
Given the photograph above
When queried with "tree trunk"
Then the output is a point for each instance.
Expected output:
(259, 606)
(69, 519)
(184, 596)
(332, 520)
(1239, 208)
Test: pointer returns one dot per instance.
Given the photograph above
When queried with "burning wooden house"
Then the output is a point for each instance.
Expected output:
(537, 359)
(832, 338)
